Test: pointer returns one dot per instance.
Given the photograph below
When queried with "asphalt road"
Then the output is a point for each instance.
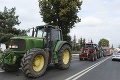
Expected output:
(102, 69)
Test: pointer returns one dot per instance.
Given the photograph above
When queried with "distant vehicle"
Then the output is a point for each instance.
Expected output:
(90, 51)
(116, 56)
(102, 51)
(107, 50)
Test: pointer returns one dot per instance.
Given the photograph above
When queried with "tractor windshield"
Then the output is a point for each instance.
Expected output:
(41, 33)
(88, 45)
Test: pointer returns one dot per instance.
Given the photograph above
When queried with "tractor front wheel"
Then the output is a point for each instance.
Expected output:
(34, 63)
(64, 57)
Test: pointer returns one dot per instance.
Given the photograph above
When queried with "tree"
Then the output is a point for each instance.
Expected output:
(74, 43)
(91, 41)
(112, 47)
(8, 20)
(103, 42)
(119, 46)
(62, 12)
(81, 42)
(68, 38)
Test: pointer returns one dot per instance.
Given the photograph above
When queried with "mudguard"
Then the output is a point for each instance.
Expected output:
(57, 48)
(62, 43)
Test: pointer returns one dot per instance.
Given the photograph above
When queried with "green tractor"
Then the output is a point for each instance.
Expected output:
(33, 54)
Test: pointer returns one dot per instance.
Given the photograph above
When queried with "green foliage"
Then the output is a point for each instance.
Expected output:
(8, 20)
(67, 38)
(103, 42)
(4, 38)
(79, 45)
(62, 12)
(80, 42)
(119, 46)
(74, 43)
(112, 47)
(83, 43)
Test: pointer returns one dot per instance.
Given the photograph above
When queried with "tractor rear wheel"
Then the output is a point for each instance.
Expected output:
(95, 57)
(92, 58)
(34, 63)
(104, 54)
(64, 57)
(81, 59)
(98, 56)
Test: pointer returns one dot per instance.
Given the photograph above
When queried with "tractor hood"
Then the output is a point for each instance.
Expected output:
(25, 37)
(25, 43)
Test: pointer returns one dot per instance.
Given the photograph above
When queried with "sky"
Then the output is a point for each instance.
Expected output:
(99, 18)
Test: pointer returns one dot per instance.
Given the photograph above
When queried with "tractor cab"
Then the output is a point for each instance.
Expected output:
(89, 45)
(50, 34)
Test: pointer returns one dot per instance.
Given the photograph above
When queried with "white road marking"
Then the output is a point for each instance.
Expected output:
(81, 73)
(2, 71)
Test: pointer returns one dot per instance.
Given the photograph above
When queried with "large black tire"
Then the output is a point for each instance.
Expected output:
(113, 60)
(10, 68)
(95, 57)
(98, 56)
(86, 59)
(92, 58)
(81, 59)
(104, 54)
(34, 63)
(64, 54)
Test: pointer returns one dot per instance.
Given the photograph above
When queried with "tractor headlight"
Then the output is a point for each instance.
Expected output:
(13, 46)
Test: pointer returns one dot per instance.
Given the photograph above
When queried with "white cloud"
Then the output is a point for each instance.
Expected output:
(28, 11)
(90, 21)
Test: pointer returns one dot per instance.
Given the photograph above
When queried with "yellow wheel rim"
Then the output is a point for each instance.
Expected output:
(38, 63)
(66, 56)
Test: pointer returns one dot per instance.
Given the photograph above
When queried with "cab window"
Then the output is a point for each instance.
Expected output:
(55, 35)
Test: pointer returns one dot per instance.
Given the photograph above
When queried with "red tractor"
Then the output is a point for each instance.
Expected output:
(107, 50)
(88, 51)
(99, 51)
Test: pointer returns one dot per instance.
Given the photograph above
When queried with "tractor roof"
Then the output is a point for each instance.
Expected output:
(91, 43)
(47, 26)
